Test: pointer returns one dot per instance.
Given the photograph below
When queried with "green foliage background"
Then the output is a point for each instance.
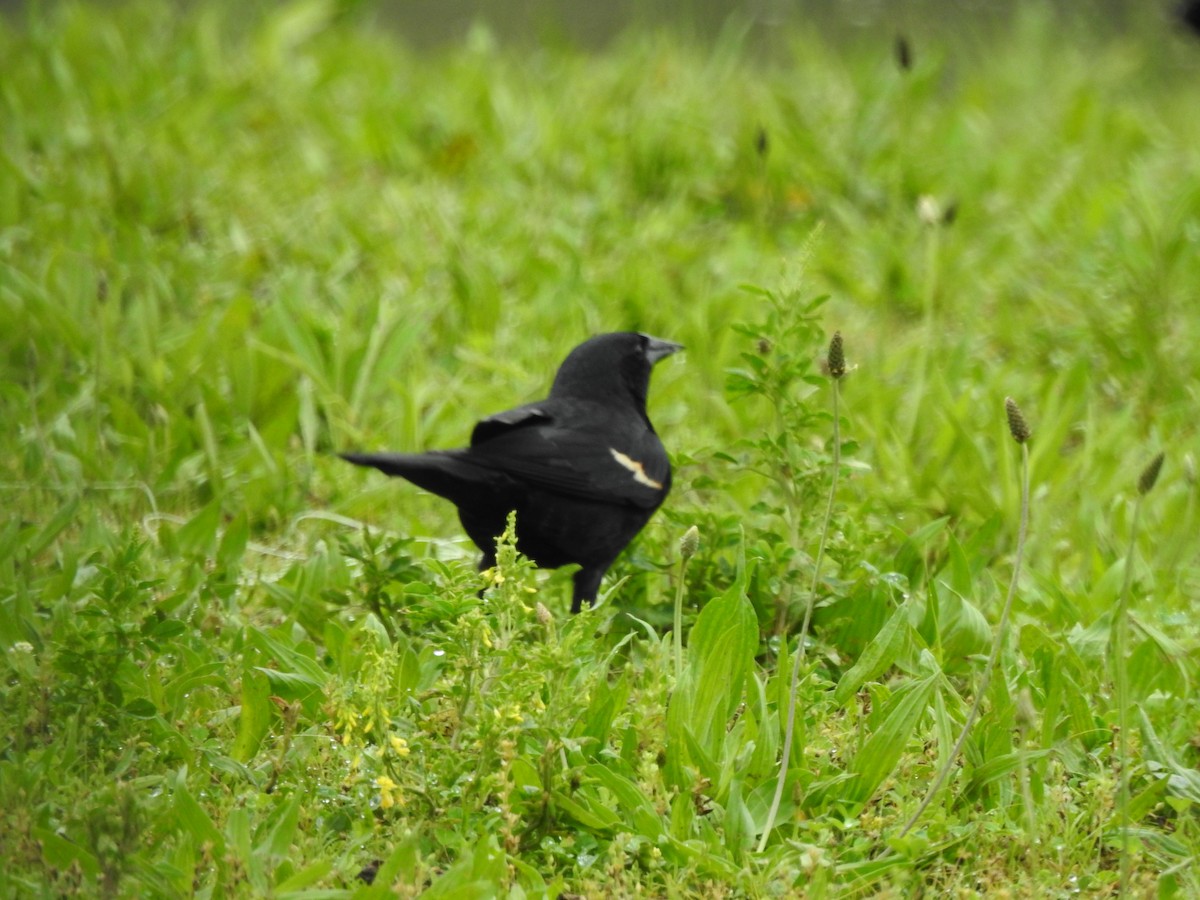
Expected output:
(234, 243)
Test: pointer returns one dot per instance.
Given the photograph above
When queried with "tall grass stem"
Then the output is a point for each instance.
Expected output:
(993, 659)
(801, 639)
(1120, 641)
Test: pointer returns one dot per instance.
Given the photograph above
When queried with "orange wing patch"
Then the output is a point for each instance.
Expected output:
(638, 470)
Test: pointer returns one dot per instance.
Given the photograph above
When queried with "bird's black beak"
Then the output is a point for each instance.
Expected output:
(657, 348)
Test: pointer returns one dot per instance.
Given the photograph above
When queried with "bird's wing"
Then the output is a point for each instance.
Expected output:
(617, 465)
(502, 423)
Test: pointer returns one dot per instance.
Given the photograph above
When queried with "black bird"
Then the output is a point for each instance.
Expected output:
(1188, 14)
(584, 468)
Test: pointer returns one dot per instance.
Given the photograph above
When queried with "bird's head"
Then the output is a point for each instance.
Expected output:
(611, 365)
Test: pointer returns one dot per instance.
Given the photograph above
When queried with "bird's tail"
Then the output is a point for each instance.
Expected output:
(442, 472)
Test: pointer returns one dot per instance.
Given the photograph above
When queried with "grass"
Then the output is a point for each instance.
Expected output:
(233, 244)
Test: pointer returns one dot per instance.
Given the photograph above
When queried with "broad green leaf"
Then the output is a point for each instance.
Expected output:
(1143, 803)
(392, 335)
(607, 702)
(1108, 587)
(208, 441)
(859, 875)
(488, 861)
(768, 736)
(233, 542)
(709, 767)
(346, 654)
(290, 684)
(238, 831)
(254, 720)
(530, 879)
(54, 527)
(639, 808)
(198, 535)
(739, 827)
(192, 816)
(12, 535)
(683, 813)
(1182, 781)
(408, 674)
(1081, 715)
(298, 677)
(882, 750)
(593, 816)
(62, 854)
(880, 654)
(141, 708)
(1092, 643)
(958, 575)
(963, 630)
(720, 654)
(1158, 664)
(910, 558)
(455, 885)
(279, 839)
(305, 878)
(306, 355)
(525, 777)
(1000, 766)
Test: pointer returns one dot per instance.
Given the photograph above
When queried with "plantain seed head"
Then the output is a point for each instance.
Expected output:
(835, 362)
(1017, 425)
(1150, 474)
(689, 543)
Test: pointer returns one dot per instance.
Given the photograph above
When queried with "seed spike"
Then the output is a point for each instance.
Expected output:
(1017, 425)
(904, 54)
(689, 543)
(1150, 474)
(762, 144)
(835, 361)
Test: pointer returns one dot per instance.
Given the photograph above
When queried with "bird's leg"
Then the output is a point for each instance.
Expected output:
(587, 585)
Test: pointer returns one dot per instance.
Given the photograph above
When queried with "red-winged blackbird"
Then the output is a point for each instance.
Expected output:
(583, 469)
(1188, 14)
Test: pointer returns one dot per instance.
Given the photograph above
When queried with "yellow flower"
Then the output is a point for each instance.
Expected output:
(510, 711)
(400, 745)
(387, 792)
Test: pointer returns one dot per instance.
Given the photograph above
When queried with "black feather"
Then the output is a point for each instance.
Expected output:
(583, 469)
